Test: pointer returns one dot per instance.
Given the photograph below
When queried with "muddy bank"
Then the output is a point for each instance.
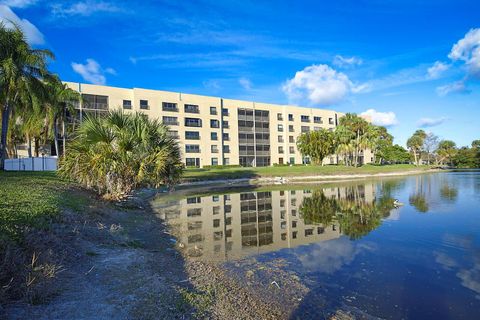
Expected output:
(119, 262)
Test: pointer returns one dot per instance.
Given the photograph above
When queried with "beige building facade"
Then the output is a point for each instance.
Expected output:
(219, 131)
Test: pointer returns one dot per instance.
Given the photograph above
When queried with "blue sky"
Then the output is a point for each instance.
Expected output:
(409, 64)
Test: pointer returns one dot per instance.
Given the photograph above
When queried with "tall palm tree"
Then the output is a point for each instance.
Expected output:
(119, 152)
(60, 101)
(343, 142)
(22, 71)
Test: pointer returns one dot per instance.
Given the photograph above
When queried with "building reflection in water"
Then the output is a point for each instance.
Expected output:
(236, 225)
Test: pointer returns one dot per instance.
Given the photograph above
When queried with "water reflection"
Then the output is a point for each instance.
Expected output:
(232, 226)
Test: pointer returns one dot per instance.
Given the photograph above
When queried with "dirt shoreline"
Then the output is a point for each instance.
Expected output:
(121, 263)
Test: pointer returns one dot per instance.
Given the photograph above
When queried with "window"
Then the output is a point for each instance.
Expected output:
(193, 122)
(144, 104)
(290, 117)
(91, 101)
(191, 108)
(290, 128)
(192, 162)
(305, 118)
(279, 117)
(317, 119)
(280, 160)
(194, 200)
(213, 136)
(226, 161)
(280, 150)
(214, 148)
(214, 124)
(280, 127)
(213, 111)
(291, 149)
(192, 135)
(330, 121)
(317, 128)
(280, 138)
(305, 129)
(226, 149)
(294, 235)
(226, 136)
(214, 161)
(292, 160)
(291, 139)
(127, 104)
(294, 224)
(192, 148)
(308, 232)
(215, 199)
(169, 106)
(170, 121)
(225, 112)
(225, 124)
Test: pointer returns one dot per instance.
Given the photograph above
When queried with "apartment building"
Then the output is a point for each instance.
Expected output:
(218, 131)
(233, 226)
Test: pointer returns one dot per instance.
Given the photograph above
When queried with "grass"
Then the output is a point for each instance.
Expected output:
(32, 200)
(287, 171)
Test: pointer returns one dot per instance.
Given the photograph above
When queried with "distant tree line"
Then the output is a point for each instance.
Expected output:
(427, 148)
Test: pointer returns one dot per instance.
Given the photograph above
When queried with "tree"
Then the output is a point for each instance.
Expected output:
(60, 101)
(343, 143)
(396, 154)
(415, 144)
(22, 72)
(120, 152)
(382, 141)
(359, 128)
(430, 144)
(316, 144)
(447, 150)
(476, 144)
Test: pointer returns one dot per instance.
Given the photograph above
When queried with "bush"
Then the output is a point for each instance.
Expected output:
(120, 152)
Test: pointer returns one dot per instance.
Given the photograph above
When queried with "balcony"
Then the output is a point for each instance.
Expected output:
(171, 123)
(191, 108)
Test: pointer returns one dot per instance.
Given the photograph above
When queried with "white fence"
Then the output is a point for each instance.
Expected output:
(31, 164)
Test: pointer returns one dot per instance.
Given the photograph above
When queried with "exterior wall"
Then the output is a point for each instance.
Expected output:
(155, 98)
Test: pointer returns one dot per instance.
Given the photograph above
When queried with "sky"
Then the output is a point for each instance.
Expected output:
(409, 64)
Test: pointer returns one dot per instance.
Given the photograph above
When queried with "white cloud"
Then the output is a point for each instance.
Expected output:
(385, 119)
(455, 87)
(431, 122)
(92, 72)
(467, 50)
(33, 35)
(83, 8)
(18, 3)
(245, 83)
(343, 62)
(321, 85)
(330, 256)
(435, 71)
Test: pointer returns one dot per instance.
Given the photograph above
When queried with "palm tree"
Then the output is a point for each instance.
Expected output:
(60, 101)
(343, 142)
(119, 152)
(358, 126)
(22, 71)
(415, 144)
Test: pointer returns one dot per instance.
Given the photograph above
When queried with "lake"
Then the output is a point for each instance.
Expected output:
(350, 245)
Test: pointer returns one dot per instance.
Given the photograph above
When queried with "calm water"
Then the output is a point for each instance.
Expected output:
(349, 243)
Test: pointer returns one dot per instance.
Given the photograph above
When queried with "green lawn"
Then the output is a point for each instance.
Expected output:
(286, 171)
(31, 200)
